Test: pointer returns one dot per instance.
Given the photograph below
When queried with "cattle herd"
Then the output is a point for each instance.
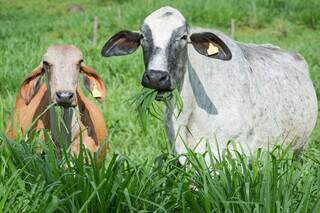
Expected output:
(254, 95)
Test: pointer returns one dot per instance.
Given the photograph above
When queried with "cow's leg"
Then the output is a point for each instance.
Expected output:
(178, 134)
(177, 126)
(87, 141)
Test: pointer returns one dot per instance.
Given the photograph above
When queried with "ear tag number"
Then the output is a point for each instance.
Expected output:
(95, 92)
(212, 49)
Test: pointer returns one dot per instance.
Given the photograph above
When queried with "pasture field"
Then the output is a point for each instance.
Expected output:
(140, 173)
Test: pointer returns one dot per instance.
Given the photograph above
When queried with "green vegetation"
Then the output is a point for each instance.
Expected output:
(271, 182)
(146, 105)
(139, 172)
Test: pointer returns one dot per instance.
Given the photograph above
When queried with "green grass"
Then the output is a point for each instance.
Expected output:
(272, 181)
(147, 106)
(139, 173)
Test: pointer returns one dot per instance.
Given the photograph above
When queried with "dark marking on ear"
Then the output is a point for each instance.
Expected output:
(199, 92)
(201, 42)
(31, 84)
(122, 43)
(87, 82)
(37, 85)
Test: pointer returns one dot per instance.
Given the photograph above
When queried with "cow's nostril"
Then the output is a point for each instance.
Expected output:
(164, 78)
(71, 95)
(58, 94)
(148, 76)
(64, 97)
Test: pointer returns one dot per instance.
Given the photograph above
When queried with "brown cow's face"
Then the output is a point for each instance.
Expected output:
(62, 64)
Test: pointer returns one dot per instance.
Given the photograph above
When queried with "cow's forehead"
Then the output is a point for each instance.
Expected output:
(65, 53)
(165, 14)
(163, 22)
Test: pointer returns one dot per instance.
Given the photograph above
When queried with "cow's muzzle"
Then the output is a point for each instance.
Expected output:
(65, 99)
(158, 80)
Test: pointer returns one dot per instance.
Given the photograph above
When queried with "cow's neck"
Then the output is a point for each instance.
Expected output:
(65, 124)
(181, 78)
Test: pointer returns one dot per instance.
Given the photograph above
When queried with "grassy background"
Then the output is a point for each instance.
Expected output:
(27, 28)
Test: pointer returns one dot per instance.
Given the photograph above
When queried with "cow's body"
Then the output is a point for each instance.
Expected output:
(262, 96)
(255, 95)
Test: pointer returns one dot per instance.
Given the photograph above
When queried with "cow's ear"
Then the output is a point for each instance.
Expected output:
(210, 45)
(122, 43)
(31, 84)
(93, 82)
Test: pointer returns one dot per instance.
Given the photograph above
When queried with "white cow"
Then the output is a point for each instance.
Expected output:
(256, 95)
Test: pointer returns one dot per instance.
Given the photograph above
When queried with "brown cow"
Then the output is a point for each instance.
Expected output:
(36, 102)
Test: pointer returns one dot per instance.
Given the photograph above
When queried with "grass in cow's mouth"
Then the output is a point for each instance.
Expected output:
(147, 103)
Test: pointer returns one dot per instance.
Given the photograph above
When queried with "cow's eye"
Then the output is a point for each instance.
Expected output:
(80, 62)
(184, 37)
(46, 65)
(143, 39)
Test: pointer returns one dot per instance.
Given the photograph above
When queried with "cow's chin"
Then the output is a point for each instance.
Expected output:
(164, 96)
(65, 105)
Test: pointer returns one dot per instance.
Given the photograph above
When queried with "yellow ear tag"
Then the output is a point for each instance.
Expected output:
(95, 92)
(212, 49)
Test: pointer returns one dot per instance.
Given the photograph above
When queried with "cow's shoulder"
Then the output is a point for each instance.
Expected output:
(268, 52)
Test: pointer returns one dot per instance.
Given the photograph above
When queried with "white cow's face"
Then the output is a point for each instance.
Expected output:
(164, 37)
(164, 42)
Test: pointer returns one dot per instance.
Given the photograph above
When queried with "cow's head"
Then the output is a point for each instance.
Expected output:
(61, 67)
(164, 37)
